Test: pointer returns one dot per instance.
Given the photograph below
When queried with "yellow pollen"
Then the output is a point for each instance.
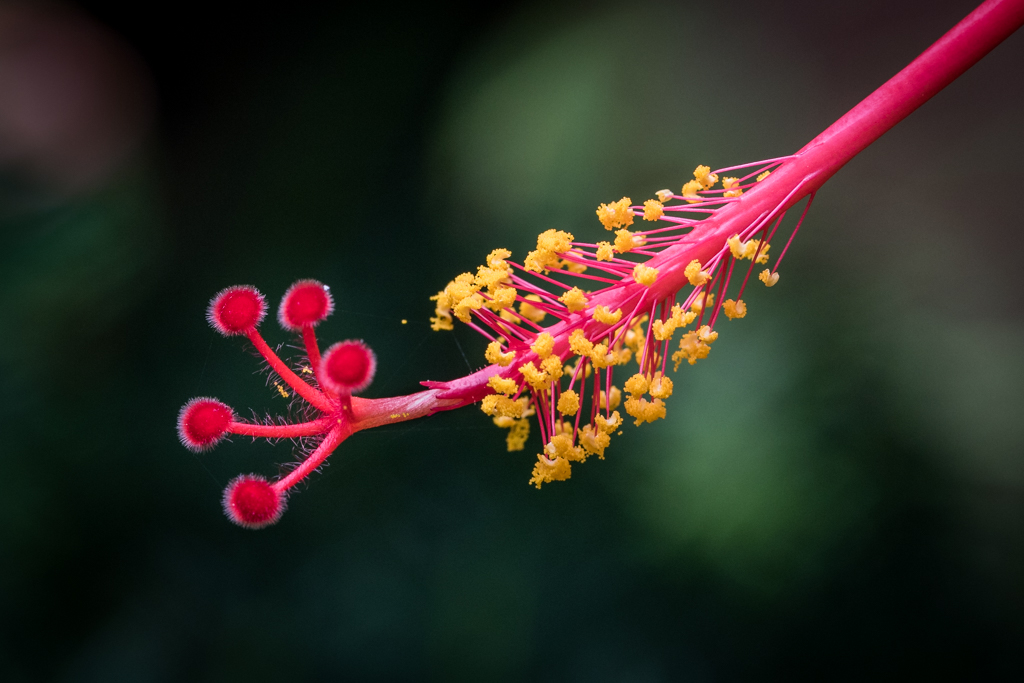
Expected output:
(543, 345)
(569, 403)
(732, 187)
(574, 300)
(734, 309)
(704, 176)
(763, 176)
(653, 210)
(579, 344)
(695, 275)
(495, 404)
(613, 403)
(698, 304)
(602, 315)
(517, 435)
(494, 355)
(690, 191)
(768, 278)
(616, 214)
(604, 251)
(661, 387)
(546, 471)
(637, 385)
(645, 411)
(609, 424)
(502, 385)
(645, 275)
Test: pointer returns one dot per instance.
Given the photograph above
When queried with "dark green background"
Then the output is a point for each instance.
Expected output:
(837, 490)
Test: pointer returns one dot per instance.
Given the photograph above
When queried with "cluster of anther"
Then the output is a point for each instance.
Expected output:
(344, 369)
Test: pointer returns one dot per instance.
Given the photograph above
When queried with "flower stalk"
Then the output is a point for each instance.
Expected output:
(564, 318)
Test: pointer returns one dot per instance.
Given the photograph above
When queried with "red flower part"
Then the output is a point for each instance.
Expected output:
(203, 422)
(307, 302)
(627, 312)
(252, 502)
(236, 310)
(347, 367)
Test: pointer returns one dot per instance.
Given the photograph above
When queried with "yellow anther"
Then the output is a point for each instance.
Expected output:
(661, 387)
(768, 278)
(694, 346)
(736, 247)
(529, 312)
(705, 177)
(579, 344)
(473, 302)
(695, 275)
(496, 259)
(602, 315)
(517, 435)
(698, 304)
(502, 385)
(734, 309)
(552, 365)
(546, 471)
(557, 241)
(637, 385)
(732, 187)
(441, 321)
(616, 214)
(605, 251)
(644, 410)
(503, 297)
(495, 404)
(612, 401)
(574, 299)
(594, 441)
(494, 355)
(609, 424)
(690, 191)
(645, 275)
(763, 176)
(653, 210)
(569, 403)
(536, 378)
(543, 345)
(624, 241)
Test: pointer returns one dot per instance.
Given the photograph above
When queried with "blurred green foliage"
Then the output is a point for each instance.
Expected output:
(837, 490)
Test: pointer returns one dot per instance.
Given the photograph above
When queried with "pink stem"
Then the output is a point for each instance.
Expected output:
(289, 431)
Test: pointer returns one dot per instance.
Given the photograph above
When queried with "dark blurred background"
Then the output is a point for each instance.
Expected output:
(837, 491)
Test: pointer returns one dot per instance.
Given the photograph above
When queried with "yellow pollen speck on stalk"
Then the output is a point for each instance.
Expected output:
(281, 390)
(602, 315)
(644, 410)
(645, 275)
(569, 403)
(704, 176)
(653, 210)
(546, 471)
(661, 387)
(768, 278)
(623, 241)
(637, 385)
(610, 424)
(494, 355)
(664, 195)
(574, 300)
(579, 344)
(594, 441)
(694, 346)
(502, 385)
(695, 275)
(732, 187)
(690, 190)
(404, 321)
(763, 176)
(734, 309)
(604, 251)
(543, 345)
(503, 406)
(616, 214)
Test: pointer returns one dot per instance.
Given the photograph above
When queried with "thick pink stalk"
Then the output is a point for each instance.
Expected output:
(744, 210)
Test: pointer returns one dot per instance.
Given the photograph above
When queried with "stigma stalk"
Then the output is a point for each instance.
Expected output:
(560, 321)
